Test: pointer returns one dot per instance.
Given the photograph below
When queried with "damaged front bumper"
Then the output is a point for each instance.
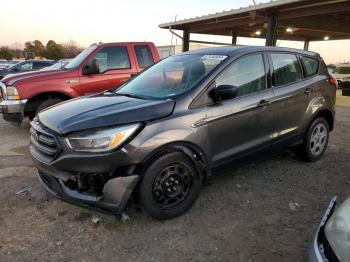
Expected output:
(319, 250)
(104, 181)
(116, 193)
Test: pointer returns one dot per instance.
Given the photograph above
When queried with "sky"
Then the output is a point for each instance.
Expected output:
(87, 21)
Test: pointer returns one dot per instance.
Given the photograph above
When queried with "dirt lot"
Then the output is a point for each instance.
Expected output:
(267, 211)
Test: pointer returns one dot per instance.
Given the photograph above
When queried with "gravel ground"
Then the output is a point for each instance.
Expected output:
(266, 211)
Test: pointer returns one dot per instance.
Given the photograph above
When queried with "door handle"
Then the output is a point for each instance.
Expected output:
(264, 103)
(308, 91)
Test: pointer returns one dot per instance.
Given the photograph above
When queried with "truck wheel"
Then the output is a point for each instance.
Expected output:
(316, 141)
(47, 104)
(170, 186)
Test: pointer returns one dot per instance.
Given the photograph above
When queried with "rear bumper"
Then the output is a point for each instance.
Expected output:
(13, 110)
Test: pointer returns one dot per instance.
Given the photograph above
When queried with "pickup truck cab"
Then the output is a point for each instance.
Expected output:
(98, 68)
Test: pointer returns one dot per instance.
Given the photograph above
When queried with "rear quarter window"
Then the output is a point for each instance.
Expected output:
(310, 66)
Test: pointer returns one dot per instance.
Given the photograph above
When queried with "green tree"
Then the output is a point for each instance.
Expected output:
(5, 53)
(53, 50)
(36, 48)
(39, 48)
(71, 49)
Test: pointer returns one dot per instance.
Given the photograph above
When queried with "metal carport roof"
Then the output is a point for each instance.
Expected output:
(302, 20)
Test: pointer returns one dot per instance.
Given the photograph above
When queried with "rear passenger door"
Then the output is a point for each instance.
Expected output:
(117, 65)
(291, 96)
(243, 125)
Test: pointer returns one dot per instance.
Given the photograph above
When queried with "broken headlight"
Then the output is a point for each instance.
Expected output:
(338, 231)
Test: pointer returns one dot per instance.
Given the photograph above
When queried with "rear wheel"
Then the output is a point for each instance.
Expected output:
(170, 186)
(46, 104)
(316, 141)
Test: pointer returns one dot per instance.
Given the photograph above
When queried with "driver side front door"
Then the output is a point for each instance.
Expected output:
(243, 125)
(116, 67)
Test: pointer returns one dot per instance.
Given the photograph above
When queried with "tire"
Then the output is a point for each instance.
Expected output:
(172, 171)
(46, 104)
(315, 141)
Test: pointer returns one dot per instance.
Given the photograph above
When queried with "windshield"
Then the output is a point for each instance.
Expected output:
(172, 76)
(342, 70)
(81, 57)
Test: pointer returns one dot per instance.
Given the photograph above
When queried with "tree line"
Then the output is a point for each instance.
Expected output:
(36, 48)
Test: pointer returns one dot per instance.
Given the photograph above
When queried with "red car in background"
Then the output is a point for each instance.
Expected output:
(99, 67)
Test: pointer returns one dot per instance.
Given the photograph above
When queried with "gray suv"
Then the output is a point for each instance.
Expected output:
(156, 138)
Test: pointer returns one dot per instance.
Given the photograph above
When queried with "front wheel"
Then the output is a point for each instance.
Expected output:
(46, 104)
(170, 186)
(316, 140)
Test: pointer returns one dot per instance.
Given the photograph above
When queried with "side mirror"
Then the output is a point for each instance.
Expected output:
(93, 67)
(15, 69)
(223, 92)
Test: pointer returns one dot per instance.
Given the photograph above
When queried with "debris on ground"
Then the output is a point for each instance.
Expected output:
(22, 191)
(95, 222)
(293, 206)
(125, 217)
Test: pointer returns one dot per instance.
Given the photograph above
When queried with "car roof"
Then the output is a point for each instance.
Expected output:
(36, 60)
(233, 50)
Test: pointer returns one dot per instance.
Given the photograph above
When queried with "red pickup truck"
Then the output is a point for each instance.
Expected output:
(98, 68)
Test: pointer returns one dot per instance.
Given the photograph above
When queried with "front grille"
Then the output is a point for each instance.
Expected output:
(43, 143)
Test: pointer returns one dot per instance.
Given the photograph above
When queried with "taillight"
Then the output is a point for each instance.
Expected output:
(332, 80)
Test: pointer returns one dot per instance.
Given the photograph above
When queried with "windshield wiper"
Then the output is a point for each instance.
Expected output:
(135, 96)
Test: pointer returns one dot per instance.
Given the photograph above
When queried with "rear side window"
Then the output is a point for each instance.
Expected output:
(310, 66)
(144, 56)
(247, 74)
(286, 69)
(113, 57)
(39, 65)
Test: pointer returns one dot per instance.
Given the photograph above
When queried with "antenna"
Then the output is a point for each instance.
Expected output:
(172, 36)
(254, 2)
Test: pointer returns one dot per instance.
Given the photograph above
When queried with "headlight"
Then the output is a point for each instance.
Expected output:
(11, 93)
(101, 140)
(338, 231)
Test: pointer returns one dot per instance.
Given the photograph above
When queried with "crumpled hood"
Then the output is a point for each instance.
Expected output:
(101, 111)
(12, 77)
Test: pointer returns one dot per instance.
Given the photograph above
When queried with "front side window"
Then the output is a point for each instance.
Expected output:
(144, 56)
(26, 67)
(247, 74)
(310, 66)
(113, 57)
(286, 69)
(172, 76)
